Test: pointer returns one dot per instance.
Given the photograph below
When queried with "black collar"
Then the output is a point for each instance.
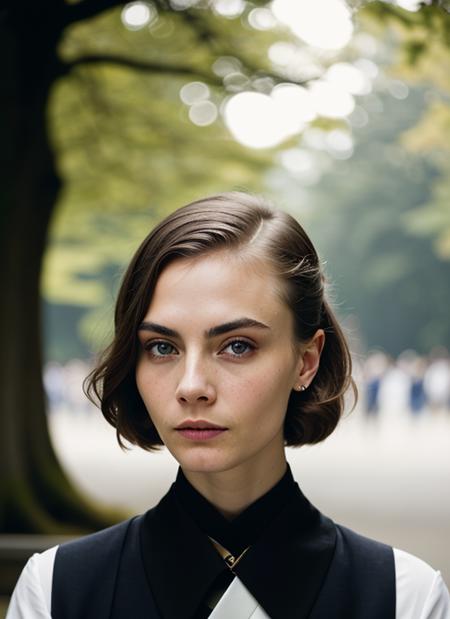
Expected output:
(291, 547)
(237, 534)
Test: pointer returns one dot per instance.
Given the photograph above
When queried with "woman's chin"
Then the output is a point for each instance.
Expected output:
(201, 460)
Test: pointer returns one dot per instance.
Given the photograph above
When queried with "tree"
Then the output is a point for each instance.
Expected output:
(36, 494)
(30, 186)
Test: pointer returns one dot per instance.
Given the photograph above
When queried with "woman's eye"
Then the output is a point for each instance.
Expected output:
(159, 349)
(238, 348)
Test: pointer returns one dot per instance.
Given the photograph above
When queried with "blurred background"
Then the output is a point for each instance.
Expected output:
(113, 115)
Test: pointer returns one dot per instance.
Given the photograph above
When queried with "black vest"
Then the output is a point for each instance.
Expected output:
(102, 576)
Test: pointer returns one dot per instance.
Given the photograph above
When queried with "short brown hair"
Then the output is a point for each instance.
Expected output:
(239, 221)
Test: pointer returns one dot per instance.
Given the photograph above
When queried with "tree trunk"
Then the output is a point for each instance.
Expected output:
(36, 494)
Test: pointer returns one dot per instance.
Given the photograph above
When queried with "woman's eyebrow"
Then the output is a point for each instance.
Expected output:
(153, 326)
(210, 333)
(235, 324)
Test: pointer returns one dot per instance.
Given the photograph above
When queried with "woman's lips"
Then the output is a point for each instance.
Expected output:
(199, 430)
(200, 434)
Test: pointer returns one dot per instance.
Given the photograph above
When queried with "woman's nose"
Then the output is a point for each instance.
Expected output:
(195, 385)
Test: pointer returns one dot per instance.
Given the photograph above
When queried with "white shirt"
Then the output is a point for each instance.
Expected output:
(421, 592)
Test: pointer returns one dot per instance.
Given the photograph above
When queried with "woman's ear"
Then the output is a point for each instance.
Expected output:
(309, 360)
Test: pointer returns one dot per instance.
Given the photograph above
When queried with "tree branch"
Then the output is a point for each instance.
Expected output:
(163, 68)
(142, 65)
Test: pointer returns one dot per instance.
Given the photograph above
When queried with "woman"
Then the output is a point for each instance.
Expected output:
(226, 351)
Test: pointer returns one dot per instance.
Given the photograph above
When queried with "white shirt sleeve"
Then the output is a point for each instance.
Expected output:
(421, 592)
(31, 598)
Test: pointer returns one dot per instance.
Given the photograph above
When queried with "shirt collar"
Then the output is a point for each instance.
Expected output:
(291, 547)
(237, 534)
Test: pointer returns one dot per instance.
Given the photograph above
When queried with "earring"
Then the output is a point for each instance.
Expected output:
(300, 388)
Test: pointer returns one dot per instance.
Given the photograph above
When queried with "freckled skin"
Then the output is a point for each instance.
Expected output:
(192, 377)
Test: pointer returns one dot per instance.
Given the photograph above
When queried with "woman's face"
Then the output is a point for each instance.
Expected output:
(217, 363)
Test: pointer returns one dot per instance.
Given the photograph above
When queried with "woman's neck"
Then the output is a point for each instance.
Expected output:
(232, 491)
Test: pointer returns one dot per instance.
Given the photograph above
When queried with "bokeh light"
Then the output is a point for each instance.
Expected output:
(252, 119)
(368, 67)
(295, 103)
(263, 119)
(365, 43)
(137, 15)
(203, 113)
(409, 5)
(339, 144)
(348, 77)
(398, 89)
(262, 19)
(225, 65)
(193, 92)
(325, 24)
(235, 81)
(182, 5)
(315, 138)
(358, 118)
(330, 100)
(302, 164)
(295, 61)
(228, 8)
(259, 120)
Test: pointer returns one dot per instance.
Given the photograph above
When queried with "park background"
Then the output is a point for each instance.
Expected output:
(115, 114)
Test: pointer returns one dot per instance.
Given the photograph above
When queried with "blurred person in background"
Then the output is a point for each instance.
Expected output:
(226, 351)
(417, 395)
(395, 389)
(436, 381)
(375, 367)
